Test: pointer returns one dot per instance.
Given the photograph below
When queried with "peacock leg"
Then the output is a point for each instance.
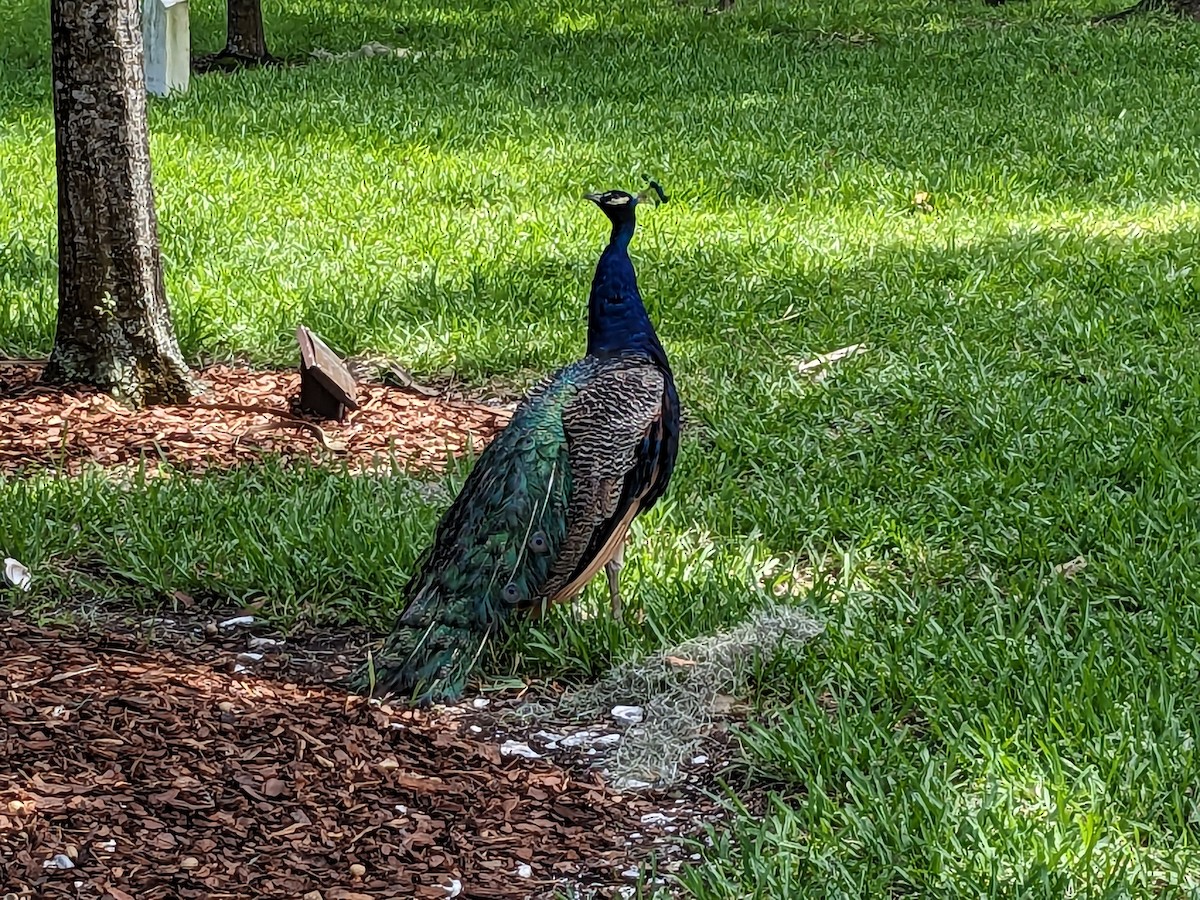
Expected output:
(612, 569)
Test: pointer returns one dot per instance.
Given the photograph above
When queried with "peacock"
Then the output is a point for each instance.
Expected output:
(550, 500)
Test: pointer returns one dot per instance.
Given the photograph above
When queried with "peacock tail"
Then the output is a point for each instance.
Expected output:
(549, 501)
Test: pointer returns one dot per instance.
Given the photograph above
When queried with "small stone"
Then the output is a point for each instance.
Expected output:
(656, 818)
(475, 729)
(578, 739)
(481, 703)
(313, 895)
(248, 658)
(15, 806)
(264, 643)
(518, 748)
(699, 760)
(211, 629)
(109, 846)
(607, 740)
(59, 861)
(454, 888)
(236, 622)
(358, 870)
(630, 715)
(225, 706)
(524, 870)
(402, 809)
(631, 873)
(189, 862)
(389, 763)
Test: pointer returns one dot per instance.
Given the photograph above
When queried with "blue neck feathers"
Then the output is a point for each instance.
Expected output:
(617, 319)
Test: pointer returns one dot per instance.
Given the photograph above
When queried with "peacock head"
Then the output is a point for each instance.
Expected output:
(618, 205)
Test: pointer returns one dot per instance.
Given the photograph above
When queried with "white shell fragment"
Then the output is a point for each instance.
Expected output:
(518, 748)
(630, 715)
(59, 861)
(264, 643)
(657, 818)
(454, 888)
(245, 661)
(236, 622)
(17, 574)
(524, 870)
(579, 739)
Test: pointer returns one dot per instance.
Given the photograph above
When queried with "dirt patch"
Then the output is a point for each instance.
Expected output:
(68, 428)
(130, 768)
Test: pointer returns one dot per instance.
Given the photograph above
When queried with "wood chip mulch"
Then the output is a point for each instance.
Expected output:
(42, 426)
(130, 769)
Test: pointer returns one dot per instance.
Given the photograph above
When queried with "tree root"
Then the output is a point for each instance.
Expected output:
(1189, 8)
(228, 60)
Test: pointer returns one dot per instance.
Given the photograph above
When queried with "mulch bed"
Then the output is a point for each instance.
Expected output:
(158, 771)
(67, 428)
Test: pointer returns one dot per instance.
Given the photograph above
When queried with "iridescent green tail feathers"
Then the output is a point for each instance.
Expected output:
(492, 554)
(425, 661)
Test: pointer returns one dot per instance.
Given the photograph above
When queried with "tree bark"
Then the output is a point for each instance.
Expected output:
(114, 326)
(244, 34)
(245, 39)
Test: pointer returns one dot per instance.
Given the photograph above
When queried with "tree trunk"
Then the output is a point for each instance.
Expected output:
(245, 40)
(244, 34)
(114, 325)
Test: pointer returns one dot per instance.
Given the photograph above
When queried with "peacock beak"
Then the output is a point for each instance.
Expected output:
(595, 198)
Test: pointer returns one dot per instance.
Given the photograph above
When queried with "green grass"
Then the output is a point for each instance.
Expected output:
(972, 723)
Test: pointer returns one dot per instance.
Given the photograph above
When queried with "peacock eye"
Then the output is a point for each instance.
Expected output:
(538, 543)
(511, 592)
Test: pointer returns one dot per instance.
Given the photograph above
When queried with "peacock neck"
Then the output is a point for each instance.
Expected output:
(617, 318)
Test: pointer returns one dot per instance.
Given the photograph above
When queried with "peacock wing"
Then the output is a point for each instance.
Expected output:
(614, 430)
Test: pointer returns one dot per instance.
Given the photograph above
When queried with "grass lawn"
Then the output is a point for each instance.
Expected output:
(975, 721)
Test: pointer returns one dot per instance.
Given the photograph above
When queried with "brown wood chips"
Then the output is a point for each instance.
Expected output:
(43, 426)
(130, 770)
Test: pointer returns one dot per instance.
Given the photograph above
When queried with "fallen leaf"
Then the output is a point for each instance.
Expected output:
(1071, 568)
